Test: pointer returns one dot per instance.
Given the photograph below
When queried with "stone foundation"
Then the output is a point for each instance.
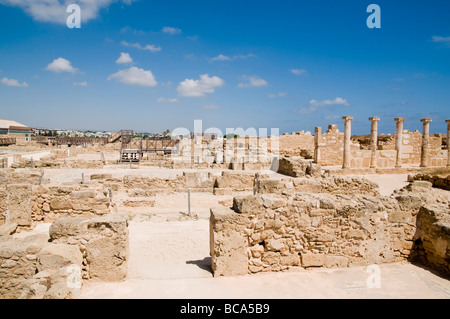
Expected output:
(281, 232)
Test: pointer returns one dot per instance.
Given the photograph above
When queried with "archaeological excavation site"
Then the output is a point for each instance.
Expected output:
(295, 215)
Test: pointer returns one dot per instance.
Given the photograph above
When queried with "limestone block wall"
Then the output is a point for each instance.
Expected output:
(53, 202)
(432, 240)
(154, 184)
(277, 233)
(33, 268)
(412, 148)
(103, 242)
(331, 185)
(439, 181)
(295, 143)
(24, 205)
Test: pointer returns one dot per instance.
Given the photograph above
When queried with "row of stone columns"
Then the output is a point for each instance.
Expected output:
(398, 141)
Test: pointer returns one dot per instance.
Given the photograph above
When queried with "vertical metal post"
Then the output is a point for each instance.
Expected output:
(189, 202)
(82, 178)
(3, 163)
(110, 194)
(40, 179)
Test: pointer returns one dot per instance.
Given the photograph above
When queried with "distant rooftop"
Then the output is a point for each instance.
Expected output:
(7, 124)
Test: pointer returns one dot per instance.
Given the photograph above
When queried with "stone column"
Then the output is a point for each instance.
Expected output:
(373, 140)
(317, 133)
(399, 140)
(448, 142)
(425, 142)
(347, 141)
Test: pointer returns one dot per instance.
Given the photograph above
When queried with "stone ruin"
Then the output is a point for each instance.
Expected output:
(300, 229)
(304, 218)
(53, 266)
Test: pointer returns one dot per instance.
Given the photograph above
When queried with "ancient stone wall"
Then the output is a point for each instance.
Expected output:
(279, 233)
(439, 181)
(331, 185)
(432, 239)
(33, 268)
(103, 242)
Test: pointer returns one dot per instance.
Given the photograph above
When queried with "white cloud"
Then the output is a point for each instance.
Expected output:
(273, 95)
(222, 57)
(128, 29)
(124, 58)
(13, 82)
(61, 65)
(84, 83)
(171, 30)
(135, 76)
(149, 47)
(439, 39)
(55, 10)
(299, 71)
(252, 81)
(210, 107)
(197, 88)
(315, 105)
(167, 100)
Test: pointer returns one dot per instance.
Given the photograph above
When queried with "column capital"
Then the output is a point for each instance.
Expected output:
(347, 118)
(399, 119)
(447, 121)
(426, 120)
(374, 118)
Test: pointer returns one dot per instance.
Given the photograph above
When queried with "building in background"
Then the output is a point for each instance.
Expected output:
(20, 132)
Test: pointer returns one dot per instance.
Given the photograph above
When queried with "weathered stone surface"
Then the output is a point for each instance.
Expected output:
(228, 246)
(233, 180)
(104, 241)
(19, 204)
(432, 239)
(8, 229)
(198, 180)
(55, 256)
(59, 204)
(312, 260)
(325, 230)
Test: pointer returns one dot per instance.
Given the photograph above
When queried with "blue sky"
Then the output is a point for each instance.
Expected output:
(289, 64)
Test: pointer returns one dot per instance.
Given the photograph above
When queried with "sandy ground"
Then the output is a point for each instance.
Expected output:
(388, 183)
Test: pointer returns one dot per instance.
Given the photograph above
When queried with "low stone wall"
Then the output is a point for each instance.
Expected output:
(439, 181)
(33, 268)
(51, 203)
(332, 185)
(103, 241)
(297, 167)
(282, 232)
(24, 205)
(432, 239)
